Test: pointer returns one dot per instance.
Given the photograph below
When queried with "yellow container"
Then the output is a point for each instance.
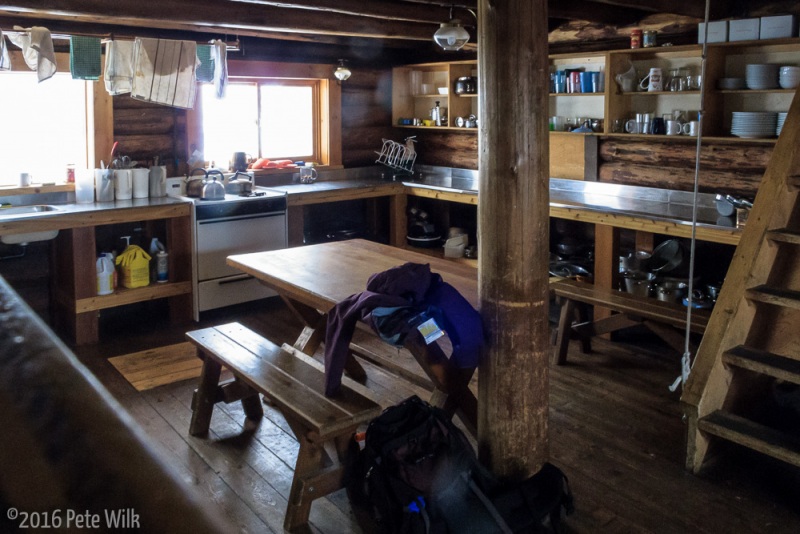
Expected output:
(134, 266)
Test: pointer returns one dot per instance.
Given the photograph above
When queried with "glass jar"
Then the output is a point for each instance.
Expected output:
(649, 38)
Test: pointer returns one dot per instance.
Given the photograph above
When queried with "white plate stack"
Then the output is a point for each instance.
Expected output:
(789, 77)
(762, 76)
(754, 124)
(781, 120)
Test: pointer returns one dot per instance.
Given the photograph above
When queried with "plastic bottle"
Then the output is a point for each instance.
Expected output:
(158, 269)
(134, 264)
(105, 275)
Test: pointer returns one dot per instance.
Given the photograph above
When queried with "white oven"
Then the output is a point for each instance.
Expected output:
(236, 225)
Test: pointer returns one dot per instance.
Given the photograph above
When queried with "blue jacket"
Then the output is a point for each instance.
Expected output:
(412, 289)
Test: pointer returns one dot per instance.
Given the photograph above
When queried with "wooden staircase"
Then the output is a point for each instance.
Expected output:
(752, 342)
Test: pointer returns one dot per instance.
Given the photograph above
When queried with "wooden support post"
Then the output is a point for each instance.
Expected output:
(513, 227)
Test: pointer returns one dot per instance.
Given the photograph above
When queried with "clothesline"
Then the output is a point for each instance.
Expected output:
(105, 38)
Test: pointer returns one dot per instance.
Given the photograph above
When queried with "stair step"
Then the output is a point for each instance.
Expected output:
(764, 362)
(752, 435)
(784, 236)
(787, 298)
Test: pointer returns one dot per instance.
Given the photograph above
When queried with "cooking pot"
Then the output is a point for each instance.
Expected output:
(466, 85)
(194, 185)
(239, 186)
(213, 190)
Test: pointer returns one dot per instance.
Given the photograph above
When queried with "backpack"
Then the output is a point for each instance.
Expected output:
(418, 473)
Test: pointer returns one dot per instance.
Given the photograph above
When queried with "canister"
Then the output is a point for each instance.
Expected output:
(162, 267)
(636, 38)
(649, 38)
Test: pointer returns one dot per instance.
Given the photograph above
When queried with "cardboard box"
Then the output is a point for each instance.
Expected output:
(778, 27)
(744, 30)
(717, 31)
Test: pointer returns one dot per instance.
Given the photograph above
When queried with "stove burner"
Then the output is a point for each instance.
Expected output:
(252, 194)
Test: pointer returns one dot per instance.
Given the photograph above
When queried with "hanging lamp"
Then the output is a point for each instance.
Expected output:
(451, 35)
(342, 73)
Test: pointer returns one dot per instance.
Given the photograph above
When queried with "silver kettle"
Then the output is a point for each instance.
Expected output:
(213, 190)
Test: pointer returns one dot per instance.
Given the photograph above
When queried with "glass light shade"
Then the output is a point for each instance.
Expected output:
(451, 35)
(342, 72)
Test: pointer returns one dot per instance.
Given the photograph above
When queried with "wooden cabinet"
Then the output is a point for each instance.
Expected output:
(574, 107)
(417, 88)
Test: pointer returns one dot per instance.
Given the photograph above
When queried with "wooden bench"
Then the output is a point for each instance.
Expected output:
(294, 383)
(662, 318)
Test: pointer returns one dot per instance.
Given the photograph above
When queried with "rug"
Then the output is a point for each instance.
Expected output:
(160, 366)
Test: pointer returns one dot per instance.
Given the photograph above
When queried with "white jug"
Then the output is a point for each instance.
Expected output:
(653, 81)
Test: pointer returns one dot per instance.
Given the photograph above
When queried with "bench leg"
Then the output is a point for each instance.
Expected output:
(309, 461)
(252, 407)
(563, 333)
(205, 397)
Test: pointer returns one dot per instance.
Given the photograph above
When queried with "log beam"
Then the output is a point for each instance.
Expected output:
(513, 229)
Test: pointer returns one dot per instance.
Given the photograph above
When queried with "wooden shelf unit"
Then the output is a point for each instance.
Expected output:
(76, 305)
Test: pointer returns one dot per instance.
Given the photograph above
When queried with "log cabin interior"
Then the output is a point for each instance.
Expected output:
(597, 204)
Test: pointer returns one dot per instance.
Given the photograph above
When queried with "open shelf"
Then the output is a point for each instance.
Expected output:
(123, 296)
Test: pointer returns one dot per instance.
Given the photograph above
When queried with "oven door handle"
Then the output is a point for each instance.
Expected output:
(229, 218)
(234, 279)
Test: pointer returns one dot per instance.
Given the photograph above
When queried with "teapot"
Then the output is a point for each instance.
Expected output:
(627, 80)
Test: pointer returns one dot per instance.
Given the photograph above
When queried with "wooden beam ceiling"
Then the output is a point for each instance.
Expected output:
(400, 24)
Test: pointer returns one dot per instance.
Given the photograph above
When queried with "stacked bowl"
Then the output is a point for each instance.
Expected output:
(731, 83)
(754, 124)
(789, 77)
(762, 76)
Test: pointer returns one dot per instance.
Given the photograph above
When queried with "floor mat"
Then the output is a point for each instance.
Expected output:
(156, 367)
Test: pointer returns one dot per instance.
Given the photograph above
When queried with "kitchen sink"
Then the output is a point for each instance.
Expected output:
(33, 209)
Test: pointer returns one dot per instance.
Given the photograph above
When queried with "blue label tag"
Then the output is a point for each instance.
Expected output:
(430, 331)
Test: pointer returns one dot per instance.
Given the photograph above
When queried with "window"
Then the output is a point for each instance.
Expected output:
(44, 126)
(275, 119)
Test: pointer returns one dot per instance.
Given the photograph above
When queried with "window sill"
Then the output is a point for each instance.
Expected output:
(7, 190)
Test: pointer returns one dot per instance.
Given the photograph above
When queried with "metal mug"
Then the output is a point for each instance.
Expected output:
(673, 127)
(690, 128)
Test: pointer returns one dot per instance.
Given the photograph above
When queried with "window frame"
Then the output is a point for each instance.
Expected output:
(327, 104)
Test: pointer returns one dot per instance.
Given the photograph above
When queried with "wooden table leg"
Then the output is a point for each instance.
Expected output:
(451, 383)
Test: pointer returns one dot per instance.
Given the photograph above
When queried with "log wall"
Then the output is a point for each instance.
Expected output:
(366, 115)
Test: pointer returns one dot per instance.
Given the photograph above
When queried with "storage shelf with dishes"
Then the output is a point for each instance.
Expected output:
(417, 88)
(575, 104)
(627, 68)
(741, 85)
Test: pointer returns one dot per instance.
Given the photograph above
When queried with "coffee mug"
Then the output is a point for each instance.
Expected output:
(690, 128)
(653, 81)
(633, 127)
(673, 127)
(239, 161)
(24, 179)
(657, 126)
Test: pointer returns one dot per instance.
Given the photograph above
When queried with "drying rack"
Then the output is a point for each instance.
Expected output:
(398, 156)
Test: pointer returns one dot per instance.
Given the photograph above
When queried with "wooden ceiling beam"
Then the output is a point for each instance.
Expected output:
(218, 17)
(696, 9)
(591, 11)
(381, 9)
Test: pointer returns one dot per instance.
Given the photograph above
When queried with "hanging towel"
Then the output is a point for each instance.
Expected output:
(220, 56)
(118, 76)
(37, 49)
(5, 60)
(205, 70)
(164, 71)
(84, 57)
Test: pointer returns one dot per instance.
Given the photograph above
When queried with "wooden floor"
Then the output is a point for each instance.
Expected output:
(615, 430)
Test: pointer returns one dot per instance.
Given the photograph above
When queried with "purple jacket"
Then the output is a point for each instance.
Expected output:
(409, 285)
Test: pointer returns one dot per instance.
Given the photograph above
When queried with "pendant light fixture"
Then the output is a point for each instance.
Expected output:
(451, 35)
(342, 73)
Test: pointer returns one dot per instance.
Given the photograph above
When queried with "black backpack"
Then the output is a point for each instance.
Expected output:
(418, 472)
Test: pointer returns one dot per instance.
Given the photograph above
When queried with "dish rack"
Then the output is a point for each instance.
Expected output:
(398, 156)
